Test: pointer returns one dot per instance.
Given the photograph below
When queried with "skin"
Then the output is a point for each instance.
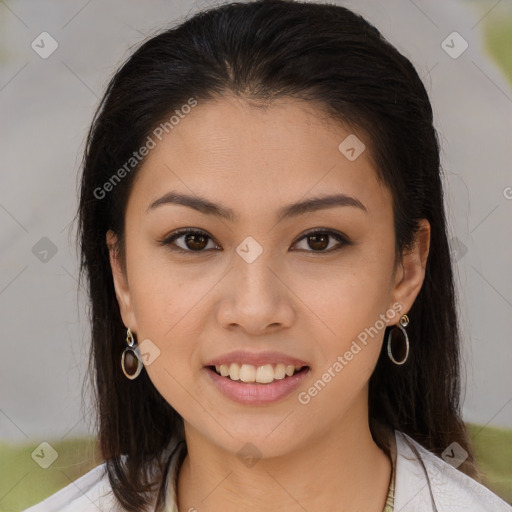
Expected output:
(307, 304)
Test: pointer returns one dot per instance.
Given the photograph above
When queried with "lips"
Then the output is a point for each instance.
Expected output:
(256, 393)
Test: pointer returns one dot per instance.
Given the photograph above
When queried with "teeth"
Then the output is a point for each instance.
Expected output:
(247, 373)
(262, 374)
(234, 371)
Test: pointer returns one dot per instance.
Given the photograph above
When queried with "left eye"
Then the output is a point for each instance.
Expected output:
(319, 240)
(197, 241)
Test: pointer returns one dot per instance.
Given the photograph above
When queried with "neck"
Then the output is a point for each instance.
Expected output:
(343, 471)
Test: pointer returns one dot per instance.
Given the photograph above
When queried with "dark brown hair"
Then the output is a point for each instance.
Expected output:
(261, 51)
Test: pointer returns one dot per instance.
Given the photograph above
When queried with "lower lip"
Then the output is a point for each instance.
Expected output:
(255, 393)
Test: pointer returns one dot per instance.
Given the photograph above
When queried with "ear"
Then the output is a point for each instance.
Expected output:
(120, 283)
(411, 272)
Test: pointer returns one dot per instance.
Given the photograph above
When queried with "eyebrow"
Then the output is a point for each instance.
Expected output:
(293, 210)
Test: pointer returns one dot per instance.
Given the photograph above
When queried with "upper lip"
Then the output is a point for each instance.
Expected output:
(255, 358)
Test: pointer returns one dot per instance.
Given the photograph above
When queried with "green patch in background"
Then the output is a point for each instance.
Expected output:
(493, 453)
(497, 31)
(24, 483)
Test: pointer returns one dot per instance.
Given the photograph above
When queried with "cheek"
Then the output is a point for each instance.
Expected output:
(354, 309)
(169, 312)
(354, 313)
(347, 303)
(170, 302)
(162, 292)
(159, 299)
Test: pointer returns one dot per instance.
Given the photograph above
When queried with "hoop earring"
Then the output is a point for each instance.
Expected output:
(404, 322)
(131, 363)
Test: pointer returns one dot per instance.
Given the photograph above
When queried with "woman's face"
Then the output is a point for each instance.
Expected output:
(253, 281)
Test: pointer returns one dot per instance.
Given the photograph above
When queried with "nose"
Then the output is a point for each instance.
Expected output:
(256, 297)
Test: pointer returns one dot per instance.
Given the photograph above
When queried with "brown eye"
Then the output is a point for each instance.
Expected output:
(195, 241)
(191, 240)
(319, 241)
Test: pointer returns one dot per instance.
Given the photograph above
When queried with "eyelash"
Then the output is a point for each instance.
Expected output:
(168, 241)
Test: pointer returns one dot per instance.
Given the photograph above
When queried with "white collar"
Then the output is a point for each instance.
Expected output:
(424, 482)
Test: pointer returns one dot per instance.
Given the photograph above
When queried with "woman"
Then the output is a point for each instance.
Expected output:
(272, 300)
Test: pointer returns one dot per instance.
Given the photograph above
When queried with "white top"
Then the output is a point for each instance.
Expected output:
(446, 490)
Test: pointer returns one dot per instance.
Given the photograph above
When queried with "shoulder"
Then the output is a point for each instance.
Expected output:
(423, 478)
(89, 493)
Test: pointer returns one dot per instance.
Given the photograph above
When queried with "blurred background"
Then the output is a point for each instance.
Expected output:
(56, 58)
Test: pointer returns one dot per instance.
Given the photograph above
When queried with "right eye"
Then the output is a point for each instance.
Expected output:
(193, 240)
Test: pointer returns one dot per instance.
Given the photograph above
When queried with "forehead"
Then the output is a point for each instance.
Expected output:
(251, 156)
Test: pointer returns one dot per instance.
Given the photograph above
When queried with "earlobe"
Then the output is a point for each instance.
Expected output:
(120, 282)
(411, 274)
